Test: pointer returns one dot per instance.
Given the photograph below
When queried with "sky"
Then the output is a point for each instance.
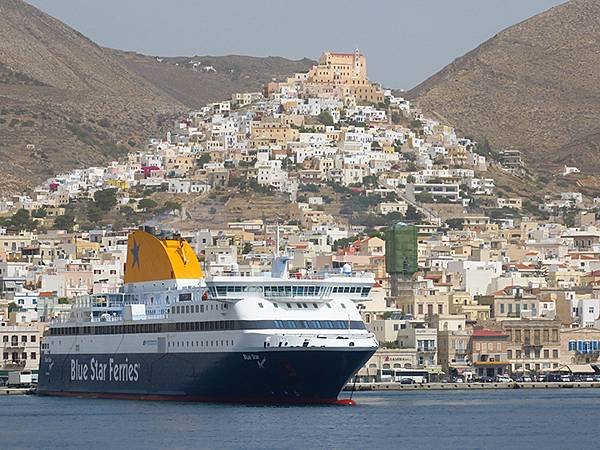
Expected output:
(405, 41)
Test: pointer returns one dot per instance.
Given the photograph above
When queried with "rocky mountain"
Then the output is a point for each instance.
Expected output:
(534, 87)
(66, 102)
(195, 81)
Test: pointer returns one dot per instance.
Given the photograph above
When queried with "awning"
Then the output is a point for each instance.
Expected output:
(578, 368)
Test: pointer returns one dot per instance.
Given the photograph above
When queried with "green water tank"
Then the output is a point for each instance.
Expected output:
(401, 249)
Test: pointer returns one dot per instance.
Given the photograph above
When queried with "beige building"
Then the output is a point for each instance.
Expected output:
(489, 352)
(385, 359)
(453, 343)
(347, 73)
(461, 302)
(534, 345)
(579, 345)
(264, 134)
(20, 345)
(422, 306)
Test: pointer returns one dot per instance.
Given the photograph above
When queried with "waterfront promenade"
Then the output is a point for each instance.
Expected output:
(468, 386)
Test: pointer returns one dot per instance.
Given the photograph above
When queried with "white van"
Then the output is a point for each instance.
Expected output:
(503, 379)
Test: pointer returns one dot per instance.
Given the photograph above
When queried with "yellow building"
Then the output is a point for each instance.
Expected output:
(267, 133)
(347, 71)
(339, 68)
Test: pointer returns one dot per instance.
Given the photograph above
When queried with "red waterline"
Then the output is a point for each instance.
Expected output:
(202, 399)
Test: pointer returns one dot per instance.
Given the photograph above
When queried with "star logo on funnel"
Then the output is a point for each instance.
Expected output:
(135, 252)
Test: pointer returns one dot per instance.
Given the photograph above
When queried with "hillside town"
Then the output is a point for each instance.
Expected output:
(472, 281)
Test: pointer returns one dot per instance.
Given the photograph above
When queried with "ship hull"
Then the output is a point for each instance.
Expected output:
(280, 376)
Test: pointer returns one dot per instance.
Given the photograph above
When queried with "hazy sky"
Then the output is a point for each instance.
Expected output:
(405, 41)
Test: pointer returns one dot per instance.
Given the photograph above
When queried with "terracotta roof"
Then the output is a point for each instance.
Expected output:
(483, 332)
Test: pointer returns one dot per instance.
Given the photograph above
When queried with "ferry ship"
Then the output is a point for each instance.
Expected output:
(171, 334)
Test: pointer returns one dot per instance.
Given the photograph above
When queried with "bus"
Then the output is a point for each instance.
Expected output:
(397, 375)
(417, 375)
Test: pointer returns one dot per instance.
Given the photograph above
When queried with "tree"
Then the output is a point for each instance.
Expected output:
(126, 210)
(455, 223)
(64, 222)
(203, 159)
(325, 118)
(21, 220)
(424, 197)
(394, 217)
(106, 199)
(172, 206)
(416, 124)
(310, 187)
(94, 214)
(412, 215)
(247, 248)
(147, 204)
(39, 213)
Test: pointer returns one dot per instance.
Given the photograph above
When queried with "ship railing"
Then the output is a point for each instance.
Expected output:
(297, 275)
(121, 318)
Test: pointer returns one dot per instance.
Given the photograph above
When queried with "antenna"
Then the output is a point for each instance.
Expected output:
(277, 239)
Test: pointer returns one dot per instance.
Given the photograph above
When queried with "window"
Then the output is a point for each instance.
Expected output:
(23, 338)
(33, 355)
(554, 354)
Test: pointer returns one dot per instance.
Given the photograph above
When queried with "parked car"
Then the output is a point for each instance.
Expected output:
(486, 380)
(586, 378)
(551, 378)
(503, 379)
(407, 381)
(525, 379)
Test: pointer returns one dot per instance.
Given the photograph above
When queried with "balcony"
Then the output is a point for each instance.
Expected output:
(426, 349)
(489, 363)
(13, 364)
(14, 346)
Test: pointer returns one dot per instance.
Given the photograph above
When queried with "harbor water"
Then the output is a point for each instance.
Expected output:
(561, 418)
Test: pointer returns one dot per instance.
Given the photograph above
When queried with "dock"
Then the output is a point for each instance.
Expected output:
(467, 386)
(16, 391)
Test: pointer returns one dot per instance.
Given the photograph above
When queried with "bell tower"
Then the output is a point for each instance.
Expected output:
(357, 61)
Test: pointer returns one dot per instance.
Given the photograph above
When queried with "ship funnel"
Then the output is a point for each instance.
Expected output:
(279, 268)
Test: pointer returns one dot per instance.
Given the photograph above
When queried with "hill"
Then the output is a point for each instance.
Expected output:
(66, 102)
(195, 81)
(533, 87)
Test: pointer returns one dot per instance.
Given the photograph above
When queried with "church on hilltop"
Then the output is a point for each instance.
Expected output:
(345, 72)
